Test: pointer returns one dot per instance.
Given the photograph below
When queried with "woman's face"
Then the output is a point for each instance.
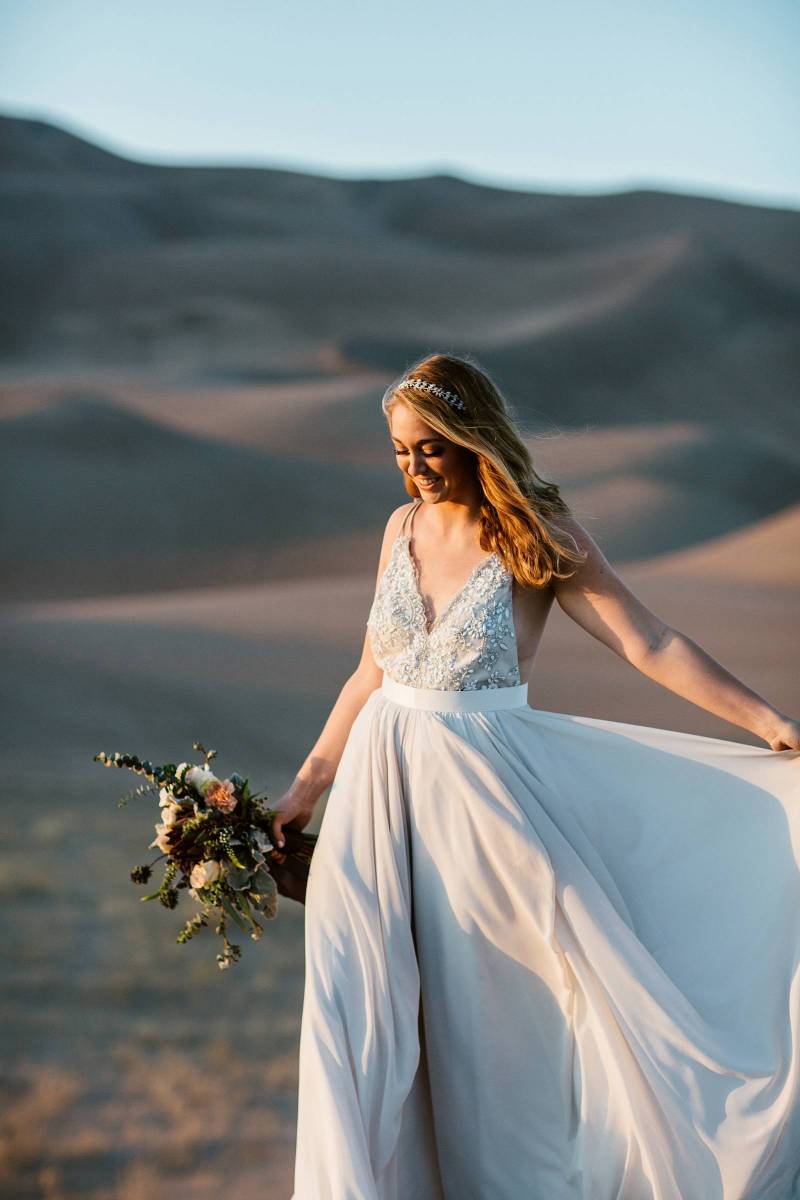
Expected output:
(441, 469)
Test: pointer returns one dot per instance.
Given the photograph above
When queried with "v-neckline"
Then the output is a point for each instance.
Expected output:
(429, 627)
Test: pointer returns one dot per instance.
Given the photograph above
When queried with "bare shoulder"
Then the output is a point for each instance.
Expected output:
(595, 566)
(394, 524)
(395, 519)
(570, 525)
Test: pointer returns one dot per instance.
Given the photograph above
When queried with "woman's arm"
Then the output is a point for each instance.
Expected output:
(319, 767)
(296, 806)
(600, 602)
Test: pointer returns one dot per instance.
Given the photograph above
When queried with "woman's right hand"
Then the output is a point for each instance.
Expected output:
(294, 809)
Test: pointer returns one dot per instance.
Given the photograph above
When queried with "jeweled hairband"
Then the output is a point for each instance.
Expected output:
(452, 398)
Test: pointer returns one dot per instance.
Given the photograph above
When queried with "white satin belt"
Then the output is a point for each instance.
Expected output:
(476, 700)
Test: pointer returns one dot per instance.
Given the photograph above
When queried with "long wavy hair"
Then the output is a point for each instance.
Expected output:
(519, 508)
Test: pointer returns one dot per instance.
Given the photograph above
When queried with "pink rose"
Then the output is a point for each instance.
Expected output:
(219, 795)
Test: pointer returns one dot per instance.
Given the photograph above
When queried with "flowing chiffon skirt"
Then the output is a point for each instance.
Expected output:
(550, 957)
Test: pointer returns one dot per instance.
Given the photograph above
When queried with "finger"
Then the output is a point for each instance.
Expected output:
(277, 824)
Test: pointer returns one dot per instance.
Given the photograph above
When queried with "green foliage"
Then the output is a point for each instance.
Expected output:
(200, 832)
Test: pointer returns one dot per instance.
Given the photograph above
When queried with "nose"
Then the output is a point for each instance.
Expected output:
(416, 463)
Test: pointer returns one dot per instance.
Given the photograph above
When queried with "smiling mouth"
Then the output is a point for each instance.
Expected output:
(427, 482)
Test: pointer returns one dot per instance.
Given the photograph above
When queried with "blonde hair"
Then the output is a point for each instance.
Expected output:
(518, 511)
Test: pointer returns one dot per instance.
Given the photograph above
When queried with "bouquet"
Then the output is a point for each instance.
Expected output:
(215, 835)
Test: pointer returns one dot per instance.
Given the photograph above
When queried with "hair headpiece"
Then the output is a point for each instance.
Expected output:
(452, 398)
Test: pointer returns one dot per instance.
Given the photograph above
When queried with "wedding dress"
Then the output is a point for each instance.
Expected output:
(548, 957)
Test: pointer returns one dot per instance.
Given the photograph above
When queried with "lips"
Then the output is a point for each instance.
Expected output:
(427, 483)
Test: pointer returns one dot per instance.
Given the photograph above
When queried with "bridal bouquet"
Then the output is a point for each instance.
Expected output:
(216, 837)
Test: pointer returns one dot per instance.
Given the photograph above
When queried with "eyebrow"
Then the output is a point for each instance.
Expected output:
(421, 442)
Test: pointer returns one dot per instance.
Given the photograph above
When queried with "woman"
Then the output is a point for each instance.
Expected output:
(547, 956)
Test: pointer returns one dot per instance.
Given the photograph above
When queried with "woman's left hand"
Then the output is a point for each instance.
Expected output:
(783, 733)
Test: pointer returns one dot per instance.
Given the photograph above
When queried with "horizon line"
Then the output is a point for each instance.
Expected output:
(212, 159)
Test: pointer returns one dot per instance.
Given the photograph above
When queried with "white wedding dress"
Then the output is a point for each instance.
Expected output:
(548, 957)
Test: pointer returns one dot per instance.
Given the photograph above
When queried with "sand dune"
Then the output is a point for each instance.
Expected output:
(610, 308)
(262, 312)
(767, 553)
(141, 489)
(193, 454)
(98, 499)
(195, 475)
(257, 667)
(277, 416)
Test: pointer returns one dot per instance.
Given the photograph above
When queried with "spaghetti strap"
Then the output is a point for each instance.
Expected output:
(411, 513)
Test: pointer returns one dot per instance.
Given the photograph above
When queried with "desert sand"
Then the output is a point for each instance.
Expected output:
(195, 478)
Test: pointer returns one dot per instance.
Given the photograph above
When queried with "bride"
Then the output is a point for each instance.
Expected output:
(548, 957)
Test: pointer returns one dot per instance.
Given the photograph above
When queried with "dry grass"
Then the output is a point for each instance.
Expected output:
(137, 1070)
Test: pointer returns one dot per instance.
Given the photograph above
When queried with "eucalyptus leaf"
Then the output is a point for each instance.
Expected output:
(235, 916)
(237, 877)
(262, 880)
(265, 893)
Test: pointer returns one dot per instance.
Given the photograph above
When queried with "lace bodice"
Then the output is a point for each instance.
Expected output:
(470, 645)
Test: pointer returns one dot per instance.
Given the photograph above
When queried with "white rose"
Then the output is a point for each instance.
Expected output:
(160, 840)
(169, 814)
(164, 796)
(204, 873)
(199, 778)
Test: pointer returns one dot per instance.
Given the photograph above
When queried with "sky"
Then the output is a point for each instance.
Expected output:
(698, 96)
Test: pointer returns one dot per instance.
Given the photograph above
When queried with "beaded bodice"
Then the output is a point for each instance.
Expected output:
(471, 644)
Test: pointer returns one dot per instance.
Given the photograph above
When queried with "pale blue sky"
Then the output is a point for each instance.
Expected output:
(687, 95)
